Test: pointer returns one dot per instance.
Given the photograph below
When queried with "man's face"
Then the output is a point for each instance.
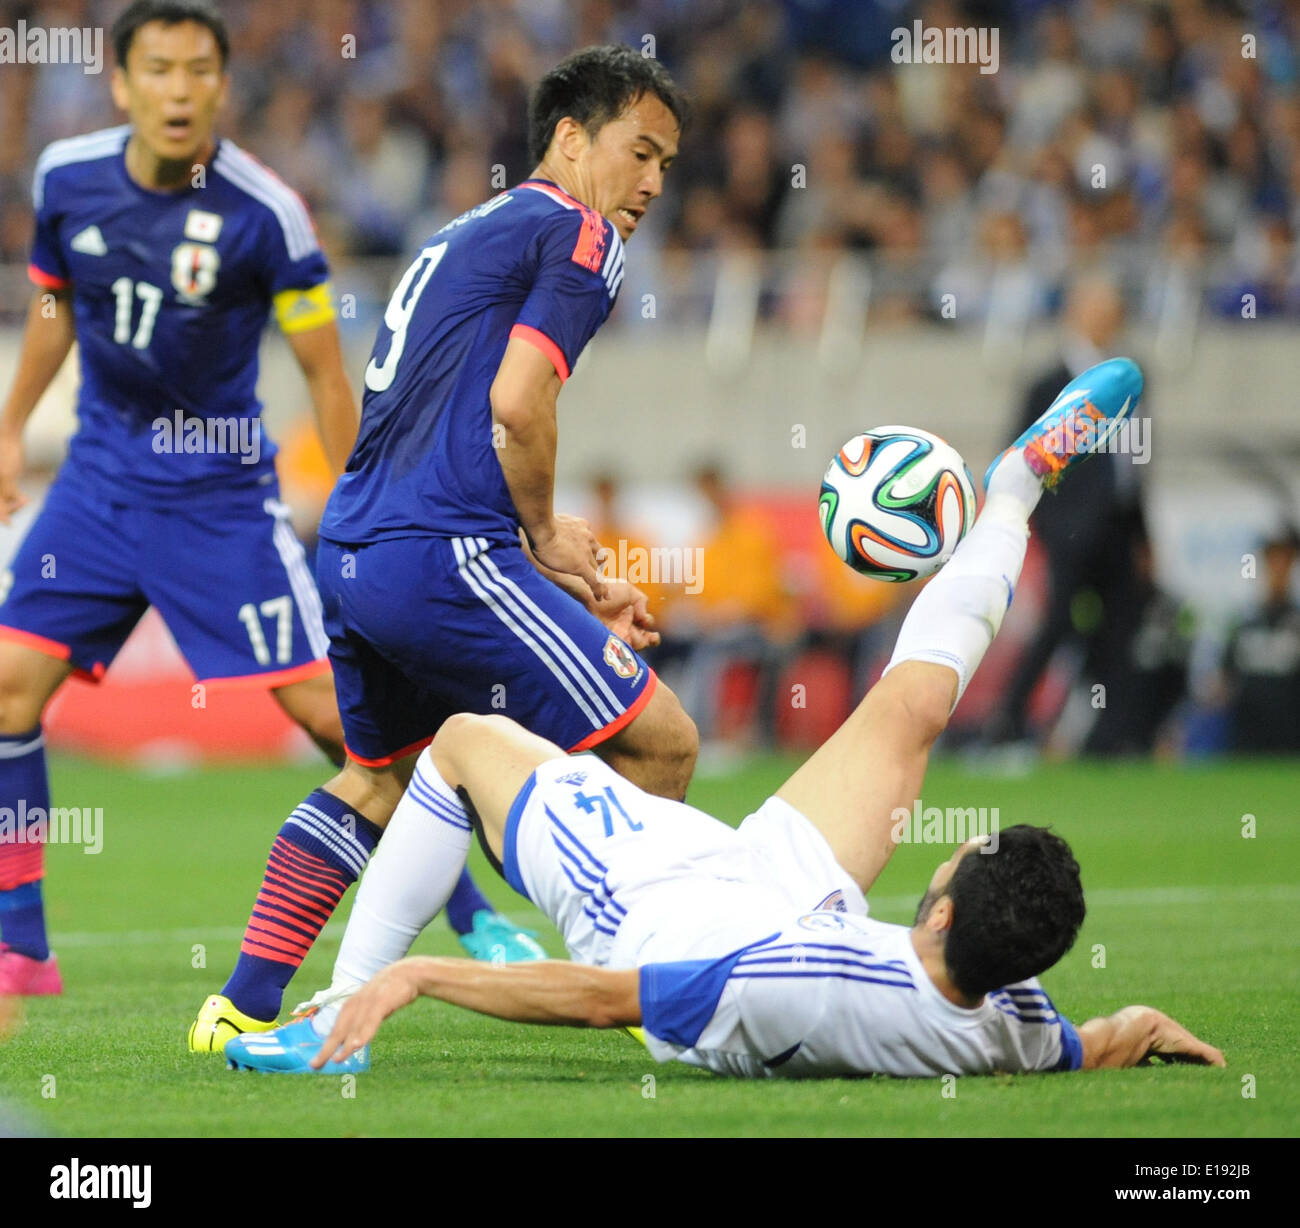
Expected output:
(943, 876)
(171, 88)
(622, 169)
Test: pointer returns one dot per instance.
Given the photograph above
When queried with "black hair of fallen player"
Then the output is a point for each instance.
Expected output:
(1015, 912)
(170, 13)
(594, 86)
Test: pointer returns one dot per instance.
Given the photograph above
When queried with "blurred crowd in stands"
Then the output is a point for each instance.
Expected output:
(1158, 140)
(1128, 161)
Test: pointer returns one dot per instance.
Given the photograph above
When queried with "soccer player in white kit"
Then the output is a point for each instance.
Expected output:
(750, 951)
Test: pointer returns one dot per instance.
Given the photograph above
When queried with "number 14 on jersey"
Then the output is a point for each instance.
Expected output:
(607, 802)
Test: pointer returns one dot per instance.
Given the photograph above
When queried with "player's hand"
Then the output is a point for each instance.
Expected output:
(1174, 1043)
(359, 1020)
(11, 469)
(571, 548)
(625, 611)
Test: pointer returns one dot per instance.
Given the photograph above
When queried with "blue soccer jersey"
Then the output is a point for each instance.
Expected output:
(532, 263)
(171, 292)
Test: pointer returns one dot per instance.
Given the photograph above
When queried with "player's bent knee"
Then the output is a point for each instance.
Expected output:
(19, 711)
(464, 728)
(658, 749)
(27, 680)
(453, 730)
(477, 743)
(680, 743)
(323, 724)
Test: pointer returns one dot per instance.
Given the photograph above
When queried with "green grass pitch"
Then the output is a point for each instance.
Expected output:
(1190, 916)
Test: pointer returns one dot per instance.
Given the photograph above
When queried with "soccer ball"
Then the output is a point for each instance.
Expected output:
(895, 502)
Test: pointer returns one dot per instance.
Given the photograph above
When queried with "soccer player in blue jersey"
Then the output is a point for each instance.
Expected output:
(161, 250)
(449, 581)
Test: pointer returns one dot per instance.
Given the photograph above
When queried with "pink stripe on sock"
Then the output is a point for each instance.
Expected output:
(21, 864)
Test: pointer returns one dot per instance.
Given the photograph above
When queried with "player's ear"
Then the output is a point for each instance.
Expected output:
(570, 138)
(939, 920)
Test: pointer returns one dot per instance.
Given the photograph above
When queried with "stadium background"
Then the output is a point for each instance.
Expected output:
(774, 307)
(788, 290)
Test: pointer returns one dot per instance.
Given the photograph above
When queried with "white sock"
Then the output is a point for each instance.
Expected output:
(409, 880)
(954, 619)
(1014, 478)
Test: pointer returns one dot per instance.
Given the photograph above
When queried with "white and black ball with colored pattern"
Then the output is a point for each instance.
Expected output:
(895, 502)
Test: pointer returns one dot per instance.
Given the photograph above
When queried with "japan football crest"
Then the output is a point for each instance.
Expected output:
(194, 270)
(619, 658)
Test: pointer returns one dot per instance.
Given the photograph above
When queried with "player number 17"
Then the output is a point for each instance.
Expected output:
(279, 608)
(588, 802)
(126, 291)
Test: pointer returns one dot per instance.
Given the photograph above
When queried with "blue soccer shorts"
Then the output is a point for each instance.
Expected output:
(227, 574)
(424, 627)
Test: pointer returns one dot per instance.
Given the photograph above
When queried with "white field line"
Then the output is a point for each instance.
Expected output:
(1146, 897)
(141, 938)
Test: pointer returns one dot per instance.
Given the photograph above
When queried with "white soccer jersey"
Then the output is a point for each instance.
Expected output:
(756, 953)
(837, 994)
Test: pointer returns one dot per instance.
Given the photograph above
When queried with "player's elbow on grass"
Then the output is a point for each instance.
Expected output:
(1118, 1040)
(615, 999)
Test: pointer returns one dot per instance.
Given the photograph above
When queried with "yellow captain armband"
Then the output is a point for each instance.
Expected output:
(297, 311)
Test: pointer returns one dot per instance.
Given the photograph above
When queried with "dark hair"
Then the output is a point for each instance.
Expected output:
(170, 13)
(594, 86)
(1014, 912)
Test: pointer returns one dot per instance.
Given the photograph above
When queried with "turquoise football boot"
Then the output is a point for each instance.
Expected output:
(288, 1049)
(498, 940)
(1080, 422)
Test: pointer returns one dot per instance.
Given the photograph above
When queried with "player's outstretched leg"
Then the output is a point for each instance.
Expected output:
(873, 766)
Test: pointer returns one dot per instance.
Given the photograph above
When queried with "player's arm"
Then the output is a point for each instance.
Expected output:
(1133, 1034)
(321, 358)
(47, 339)
(550, 991)
(523, 397)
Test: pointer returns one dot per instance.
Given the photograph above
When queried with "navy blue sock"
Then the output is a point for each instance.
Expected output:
(22, 918)
(317, 855)
(25, 794)
(465, 901)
